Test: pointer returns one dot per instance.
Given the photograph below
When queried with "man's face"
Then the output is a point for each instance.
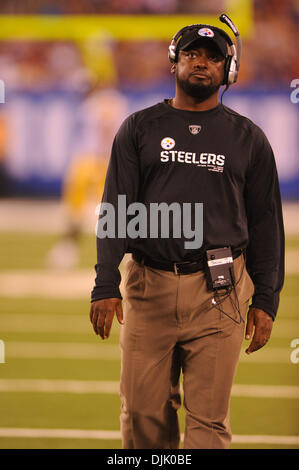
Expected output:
(199, 71)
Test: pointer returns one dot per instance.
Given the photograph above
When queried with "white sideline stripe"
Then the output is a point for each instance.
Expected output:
(265, 439)
(59, 433)
(58, 386)
(75, 283)
(65, 284)
(48, 323)
(107, 351)
(104, 435)
(265, 391)
(112, 387)
(102, 350)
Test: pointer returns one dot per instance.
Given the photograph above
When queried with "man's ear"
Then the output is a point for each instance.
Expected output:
(173, 68)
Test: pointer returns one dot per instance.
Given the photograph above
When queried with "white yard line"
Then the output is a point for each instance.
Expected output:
(50, 283)
(62, 350)
(75, 283)
(266, 355)
(59, 433)
(112, 387)
(58, 386)
(105, 350)
(265, 391)
(66, 284)
(39, 216)
(265, 439)
(45, 323)
(116, 435)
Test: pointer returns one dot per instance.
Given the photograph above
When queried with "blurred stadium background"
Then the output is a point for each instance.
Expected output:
(72, 70)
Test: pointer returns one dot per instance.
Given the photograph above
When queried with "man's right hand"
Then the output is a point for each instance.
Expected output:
(102, 313)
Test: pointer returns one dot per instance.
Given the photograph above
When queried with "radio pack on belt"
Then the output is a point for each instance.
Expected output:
(220, 274)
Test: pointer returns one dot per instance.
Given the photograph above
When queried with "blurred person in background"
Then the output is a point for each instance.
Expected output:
(99, 116)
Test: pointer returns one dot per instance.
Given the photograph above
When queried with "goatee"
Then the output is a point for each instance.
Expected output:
(197, 90)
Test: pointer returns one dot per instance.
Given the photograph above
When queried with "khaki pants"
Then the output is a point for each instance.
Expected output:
(172, 324)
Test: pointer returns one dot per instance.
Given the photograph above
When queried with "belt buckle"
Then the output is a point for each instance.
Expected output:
(175, 268)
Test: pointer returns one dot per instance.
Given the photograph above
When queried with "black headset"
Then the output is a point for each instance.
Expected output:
(232, 60)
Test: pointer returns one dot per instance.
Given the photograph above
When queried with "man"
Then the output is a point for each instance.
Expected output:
(190, 149)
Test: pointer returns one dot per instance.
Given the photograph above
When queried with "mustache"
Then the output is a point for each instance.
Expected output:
(199, 72)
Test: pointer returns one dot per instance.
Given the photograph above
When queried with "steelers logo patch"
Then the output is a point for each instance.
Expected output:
(206, 32)
(167, 143)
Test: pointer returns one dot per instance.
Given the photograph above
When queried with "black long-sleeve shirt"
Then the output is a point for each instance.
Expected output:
(227, 164)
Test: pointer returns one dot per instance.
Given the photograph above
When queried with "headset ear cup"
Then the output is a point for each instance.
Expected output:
(234, 70)
(230, 71)
(171, 53)
(226, 70)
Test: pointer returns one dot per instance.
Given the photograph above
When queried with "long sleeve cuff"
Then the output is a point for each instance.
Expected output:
(105, 292)
(270, 306)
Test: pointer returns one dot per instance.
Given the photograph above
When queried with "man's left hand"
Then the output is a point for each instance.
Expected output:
(262, 324)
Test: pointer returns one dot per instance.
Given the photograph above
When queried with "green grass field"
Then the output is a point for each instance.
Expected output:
(51, 339)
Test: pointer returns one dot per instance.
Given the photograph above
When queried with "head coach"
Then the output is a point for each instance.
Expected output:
(186, 309)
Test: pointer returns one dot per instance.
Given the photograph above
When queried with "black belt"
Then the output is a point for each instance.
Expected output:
(184, 267)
